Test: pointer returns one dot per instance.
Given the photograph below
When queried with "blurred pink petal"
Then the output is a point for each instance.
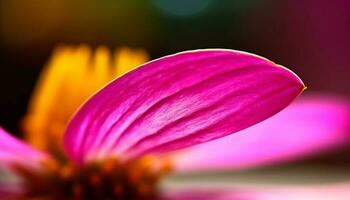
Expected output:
(178, 101)
(310, 125)
(335, 191)
(10, 191)
(200, 194)
(13, 151)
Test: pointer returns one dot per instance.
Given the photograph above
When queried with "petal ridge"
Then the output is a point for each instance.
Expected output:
(172, 145)
(180, 92)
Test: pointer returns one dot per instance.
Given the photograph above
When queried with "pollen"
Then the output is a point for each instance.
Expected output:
(111, 179)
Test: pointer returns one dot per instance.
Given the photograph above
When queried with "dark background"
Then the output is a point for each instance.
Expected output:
(311, 37)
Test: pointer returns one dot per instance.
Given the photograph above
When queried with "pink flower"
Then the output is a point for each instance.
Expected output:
(131, 132)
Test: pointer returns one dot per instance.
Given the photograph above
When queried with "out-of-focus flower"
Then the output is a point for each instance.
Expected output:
(122, 139)
(71, 76)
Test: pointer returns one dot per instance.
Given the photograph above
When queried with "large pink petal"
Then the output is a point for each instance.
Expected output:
(13, 151)
(178, 101)
(310, 125)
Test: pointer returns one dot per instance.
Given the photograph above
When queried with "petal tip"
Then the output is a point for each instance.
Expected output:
(303, 87)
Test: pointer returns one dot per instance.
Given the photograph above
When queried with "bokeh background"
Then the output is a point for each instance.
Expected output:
(311, 37)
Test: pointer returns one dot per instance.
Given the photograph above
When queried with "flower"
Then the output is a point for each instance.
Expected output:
(130, 133)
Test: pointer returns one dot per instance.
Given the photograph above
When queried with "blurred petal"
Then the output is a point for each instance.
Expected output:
(199, 194)
(178, 101)
(10, 191)
(71, 76)
(13, 151)
(310, 125)
(335, 191)
(63, 76)
(125, 59)
(101, 66)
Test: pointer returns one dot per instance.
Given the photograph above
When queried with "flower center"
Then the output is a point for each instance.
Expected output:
(111, 179)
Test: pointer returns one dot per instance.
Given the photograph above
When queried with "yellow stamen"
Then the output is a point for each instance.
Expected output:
(70, 77)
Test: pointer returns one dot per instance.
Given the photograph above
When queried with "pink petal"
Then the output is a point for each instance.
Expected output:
(201, 194)
(334, 191)
(310, 125)
(10, 191)
(178, 101)
(331, 191)
(13, 151)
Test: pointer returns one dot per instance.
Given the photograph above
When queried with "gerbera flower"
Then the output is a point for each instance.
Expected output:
(123, 139)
